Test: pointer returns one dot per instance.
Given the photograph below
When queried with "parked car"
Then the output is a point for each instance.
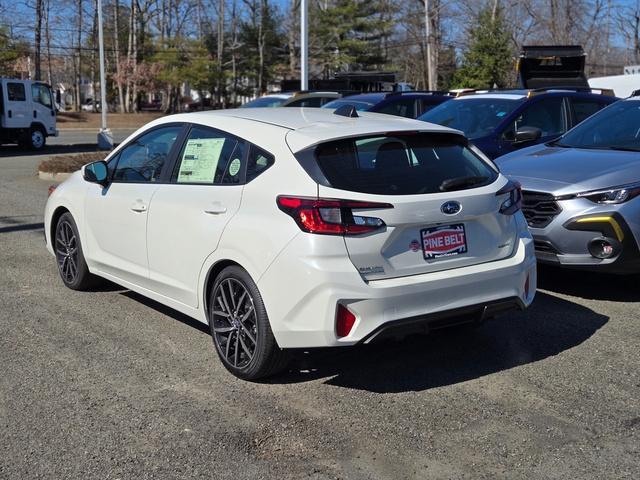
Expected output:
(499, 122)
(293, 99)
(410, 104)
(581, 192)
(87, 105)
(297, 228)
(27, 113)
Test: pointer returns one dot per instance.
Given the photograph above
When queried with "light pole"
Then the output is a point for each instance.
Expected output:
(105, 138)
(304, 46)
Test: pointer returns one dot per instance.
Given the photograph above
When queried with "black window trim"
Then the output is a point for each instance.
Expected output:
(170, 158)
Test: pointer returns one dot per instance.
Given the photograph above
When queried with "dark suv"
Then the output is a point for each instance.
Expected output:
(410, 104)
(501, 121)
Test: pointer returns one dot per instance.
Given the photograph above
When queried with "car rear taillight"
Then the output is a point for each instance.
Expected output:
(52, 188)
(344, 321)
(330, 216)
(514, 202)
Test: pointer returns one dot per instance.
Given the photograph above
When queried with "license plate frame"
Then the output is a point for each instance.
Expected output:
(443, 241)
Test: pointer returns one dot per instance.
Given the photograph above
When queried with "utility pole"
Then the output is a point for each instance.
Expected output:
(38, 38)
(105, 138)
(431, 80)
(304, 46)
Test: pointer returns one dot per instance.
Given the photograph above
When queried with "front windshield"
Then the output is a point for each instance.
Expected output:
(476, 117)
(615, 127)
(359, 105)
(264, 102)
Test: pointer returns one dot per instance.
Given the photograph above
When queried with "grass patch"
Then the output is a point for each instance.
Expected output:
(69, 163)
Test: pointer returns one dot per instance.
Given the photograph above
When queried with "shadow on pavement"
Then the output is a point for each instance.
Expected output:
(22, 227)
(15, 151)
(551, 326)
(589, 285)
(158, 307)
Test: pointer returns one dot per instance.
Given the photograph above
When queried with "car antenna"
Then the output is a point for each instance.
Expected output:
(346, 111)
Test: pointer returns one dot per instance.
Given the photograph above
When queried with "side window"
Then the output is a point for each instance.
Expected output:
(583, 109)
(210, 157)
(427, 105)
(546, 114)
(143, 159)
(15, 92)
(401, 108)
(258, 162)
(41, 94)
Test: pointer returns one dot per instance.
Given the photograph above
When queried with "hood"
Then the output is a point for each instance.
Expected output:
(562, 171)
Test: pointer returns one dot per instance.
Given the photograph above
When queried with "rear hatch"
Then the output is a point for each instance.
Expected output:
(445, 212)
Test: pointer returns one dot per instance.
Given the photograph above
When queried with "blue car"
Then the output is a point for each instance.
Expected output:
(409, 104)
(500, 122)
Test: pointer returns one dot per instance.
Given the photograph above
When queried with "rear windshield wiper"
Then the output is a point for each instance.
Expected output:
(460, 182)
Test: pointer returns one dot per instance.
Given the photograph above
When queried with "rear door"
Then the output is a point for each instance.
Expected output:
(16, 105)
(188, 215)
(427, 229)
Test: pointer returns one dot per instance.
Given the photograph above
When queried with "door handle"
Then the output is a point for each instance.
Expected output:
(139, 207)
(10, 113)
(215, 209)
(35, 114)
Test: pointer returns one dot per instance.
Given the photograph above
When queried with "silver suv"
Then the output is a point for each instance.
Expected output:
(580, 191)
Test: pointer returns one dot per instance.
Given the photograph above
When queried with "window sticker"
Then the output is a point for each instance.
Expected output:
(501, 114)
(200, 160)
(234, 167)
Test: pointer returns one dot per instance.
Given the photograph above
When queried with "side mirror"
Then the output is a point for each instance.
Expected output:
(527, 134)
(96, 172)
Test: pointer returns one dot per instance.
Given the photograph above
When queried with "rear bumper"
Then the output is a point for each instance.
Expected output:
(301, 294)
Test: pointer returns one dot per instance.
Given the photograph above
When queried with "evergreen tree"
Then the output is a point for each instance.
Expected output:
(488, 60)
(349, 35)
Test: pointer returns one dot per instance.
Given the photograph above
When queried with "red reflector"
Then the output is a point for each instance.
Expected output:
(51, 189)
(344, 321)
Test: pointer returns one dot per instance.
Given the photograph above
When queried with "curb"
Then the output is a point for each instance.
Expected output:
(56, 177)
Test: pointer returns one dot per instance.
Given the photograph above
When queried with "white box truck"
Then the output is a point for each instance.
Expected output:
(27, 113)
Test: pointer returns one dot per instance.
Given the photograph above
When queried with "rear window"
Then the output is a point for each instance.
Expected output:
(403, 164)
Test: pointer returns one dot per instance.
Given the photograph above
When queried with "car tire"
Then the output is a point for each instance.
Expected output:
(240, 327)
(72, 266)
(34, 139)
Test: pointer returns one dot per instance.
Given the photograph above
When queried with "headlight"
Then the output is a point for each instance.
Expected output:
(613, 195)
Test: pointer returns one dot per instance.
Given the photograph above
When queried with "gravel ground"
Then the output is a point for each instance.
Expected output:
(109, 385)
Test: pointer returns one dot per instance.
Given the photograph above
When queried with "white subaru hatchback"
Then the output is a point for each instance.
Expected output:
(297, 228)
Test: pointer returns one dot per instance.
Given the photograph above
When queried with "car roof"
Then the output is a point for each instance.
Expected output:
(308, 126)
(515, 94)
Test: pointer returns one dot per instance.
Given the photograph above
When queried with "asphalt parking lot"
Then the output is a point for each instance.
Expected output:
(110, 385)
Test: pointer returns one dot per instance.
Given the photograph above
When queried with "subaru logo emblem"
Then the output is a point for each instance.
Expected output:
(450, 208)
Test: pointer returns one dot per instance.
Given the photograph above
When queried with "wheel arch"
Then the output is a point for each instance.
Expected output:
(40, 127)
(57, 213)
(212, 274)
